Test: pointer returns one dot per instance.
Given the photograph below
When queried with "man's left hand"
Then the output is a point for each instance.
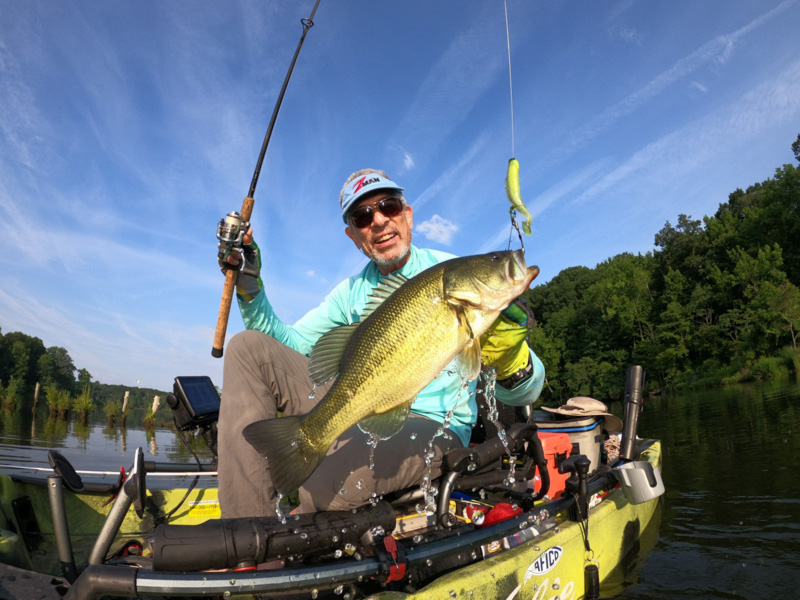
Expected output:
(504, 345)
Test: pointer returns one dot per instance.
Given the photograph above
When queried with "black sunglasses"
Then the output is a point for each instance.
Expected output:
(362, 216)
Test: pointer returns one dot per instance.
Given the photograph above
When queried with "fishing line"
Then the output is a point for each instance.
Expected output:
(510, 83)
(512, 176)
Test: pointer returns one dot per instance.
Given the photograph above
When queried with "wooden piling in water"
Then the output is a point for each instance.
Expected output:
(124, 410)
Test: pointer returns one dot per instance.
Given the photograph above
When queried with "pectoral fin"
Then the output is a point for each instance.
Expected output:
(323, 363)
(468, 360)
(384, 425)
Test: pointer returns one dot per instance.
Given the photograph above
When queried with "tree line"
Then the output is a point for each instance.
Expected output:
(716, 302)
(25, 361)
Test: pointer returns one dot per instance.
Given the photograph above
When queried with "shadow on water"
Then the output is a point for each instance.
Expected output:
(627, 573)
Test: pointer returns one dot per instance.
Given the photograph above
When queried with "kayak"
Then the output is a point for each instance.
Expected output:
(541, 551)
(547, 510)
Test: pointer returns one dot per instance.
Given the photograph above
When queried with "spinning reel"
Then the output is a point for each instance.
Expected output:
(230, 233)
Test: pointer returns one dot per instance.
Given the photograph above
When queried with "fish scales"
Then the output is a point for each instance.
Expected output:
(403, 328)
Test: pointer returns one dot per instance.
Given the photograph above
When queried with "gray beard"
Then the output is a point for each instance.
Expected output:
(387, 262)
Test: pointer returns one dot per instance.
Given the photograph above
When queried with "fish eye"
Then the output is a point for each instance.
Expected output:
(495, 257)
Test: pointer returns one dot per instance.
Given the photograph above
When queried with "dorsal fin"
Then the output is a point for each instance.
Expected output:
(326, 356)
(385, 288)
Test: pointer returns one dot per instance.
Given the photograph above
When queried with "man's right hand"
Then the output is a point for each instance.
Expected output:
(248, 282)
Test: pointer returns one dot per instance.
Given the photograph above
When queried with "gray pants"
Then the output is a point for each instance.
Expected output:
(263, 377)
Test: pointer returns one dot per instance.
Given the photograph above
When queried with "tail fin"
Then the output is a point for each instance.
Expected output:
(292, 459)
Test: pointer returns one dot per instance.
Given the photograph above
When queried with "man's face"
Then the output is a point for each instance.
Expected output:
(386, 240)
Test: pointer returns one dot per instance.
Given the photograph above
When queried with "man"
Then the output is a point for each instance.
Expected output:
(267, 374)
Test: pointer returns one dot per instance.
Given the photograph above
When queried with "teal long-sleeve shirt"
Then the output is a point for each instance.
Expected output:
(345, 304)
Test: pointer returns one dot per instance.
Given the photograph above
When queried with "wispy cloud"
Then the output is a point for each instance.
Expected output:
(668, 158)
(457, 171)
(454, 83)
(717, 50)
(629, 35)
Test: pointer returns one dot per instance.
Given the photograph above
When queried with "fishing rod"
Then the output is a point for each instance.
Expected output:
(234, 226)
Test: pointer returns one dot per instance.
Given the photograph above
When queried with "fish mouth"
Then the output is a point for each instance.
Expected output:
(518, 272)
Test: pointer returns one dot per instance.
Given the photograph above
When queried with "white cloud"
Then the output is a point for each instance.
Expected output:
(438, 229)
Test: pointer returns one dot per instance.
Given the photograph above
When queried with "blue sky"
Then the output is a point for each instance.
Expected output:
(128, 129)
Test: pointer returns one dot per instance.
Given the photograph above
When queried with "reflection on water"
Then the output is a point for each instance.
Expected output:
(26, 438)
(731, 520)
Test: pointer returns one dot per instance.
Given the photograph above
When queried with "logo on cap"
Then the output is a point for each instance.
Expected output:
(360, 183)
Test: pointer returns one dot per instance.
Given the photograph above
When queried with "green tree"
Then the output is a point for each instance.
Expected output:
(84, 379)
(63, 368)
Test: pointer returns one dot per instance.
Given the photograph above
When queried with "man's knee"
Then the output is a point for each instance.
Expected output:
(243, 343)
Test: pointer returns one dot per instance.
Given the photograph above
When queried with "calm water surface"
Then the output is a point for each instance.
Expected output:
(730, 518)
(730, 525)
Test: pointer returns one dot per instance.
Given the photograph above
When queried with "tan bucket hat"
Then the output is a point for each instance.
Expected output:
(583, 406)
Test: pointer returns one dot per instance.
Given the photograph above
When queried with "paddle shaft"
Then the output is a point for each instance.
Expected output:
(247, 206)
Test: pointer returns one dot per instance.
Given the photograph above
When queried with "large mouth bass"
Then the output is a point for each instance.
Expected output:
(513, 193)
(411, 330)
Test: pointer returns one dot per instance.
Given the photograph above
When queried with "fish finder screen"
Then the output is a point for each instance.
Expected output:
(200, 394)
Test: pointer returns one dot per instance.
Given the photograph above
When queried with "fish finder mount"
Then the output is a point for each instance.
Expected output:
(195, 405)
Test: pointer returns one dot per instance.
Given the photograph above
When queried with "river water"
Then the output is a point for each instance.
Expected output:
(730, 525)
(730, 517)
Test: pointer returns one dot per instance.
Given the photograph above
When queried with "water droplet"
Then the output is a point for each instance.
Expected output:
(413, 436)
(339, 590)
(429, 562)
(314, 594)
(453, 594)
(417, 539)
(338, 553)
(335, 538)
(556, 585)
(304, 536)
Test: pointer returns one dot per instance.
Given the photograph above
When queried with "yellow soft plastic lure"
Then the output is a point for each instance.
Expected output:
(512, 191)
